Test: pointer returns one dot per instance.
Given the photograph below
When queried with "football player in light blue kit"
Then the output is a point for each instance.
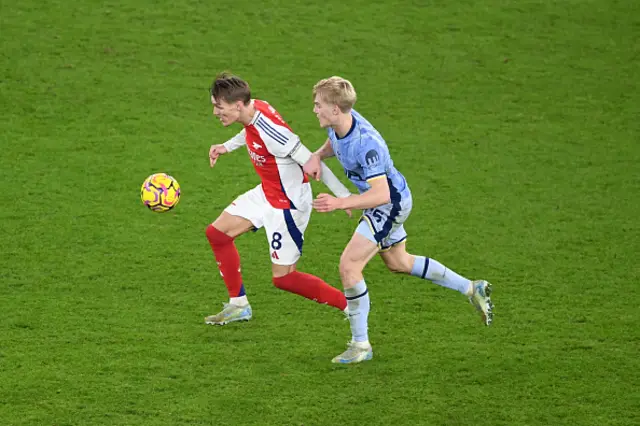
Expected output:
(385, 199)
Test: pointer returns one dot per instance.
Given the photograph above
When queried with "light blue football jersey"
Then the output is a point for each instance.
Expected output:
(364, 154)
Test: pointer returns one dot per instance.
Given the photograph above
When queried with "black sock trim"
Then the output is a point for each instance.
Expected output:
(426, 266)
(357, 297)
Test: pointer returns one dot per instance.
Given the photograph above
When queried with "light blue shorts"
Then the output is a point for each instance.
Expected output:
(384, 225)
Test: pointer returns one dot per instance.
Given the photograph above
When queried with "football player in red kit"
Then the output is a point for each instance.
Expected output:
(281, 203)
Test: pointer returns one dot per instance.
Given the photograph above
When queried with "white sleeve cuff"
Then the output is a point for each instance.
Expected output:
(300, 154)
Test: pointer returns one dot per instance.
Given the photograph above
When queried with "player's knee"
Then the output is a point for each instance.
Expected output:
(284, 282)
(349, 267)
(217, 237)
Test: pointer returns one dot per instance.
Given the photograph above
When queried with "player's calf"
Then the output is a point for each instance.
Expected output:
(312, 288)
(401, 263)
(228, 261)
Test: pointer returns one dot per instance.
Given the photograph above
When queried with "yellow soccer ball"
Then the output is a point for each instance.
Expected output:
(160, 192)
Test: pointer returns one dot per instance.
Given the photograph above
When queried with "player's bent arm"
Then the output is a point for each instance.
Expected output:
(378, 195)
(301, 155)
(333, 183)
(325, 150)
(235, 142)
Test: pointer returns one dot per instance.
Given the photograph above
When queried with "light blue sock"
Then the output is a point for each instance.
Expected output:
(359, 304)
(436, 272)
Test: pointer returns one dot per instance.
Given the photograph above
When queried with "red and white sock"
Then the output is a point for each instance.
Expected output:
(228, 260)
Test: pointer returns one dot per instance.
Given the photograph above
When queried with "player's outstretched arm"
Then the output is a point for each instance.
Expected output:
(377, 195)
(214, 152)
(303, 156)
(325, 150)
(314, 167)
(236, 142)
(333, 183)
(232, 144)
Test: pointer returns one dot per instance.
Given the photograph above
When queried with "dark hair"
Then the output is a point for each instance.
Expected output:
(230, 88)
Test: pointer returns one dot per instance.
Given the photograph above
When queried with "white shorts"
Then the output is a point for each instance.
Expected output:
(284, 228)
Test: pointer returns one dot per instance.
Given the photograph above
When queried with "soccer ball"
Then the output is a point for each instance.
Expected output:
(160, 192)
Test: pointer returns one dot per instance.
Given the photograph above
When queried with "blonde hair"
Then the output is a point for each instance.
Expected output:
(337, 91)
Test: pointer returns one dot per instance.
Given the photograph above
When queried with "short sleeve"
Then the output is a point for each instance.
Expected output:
(371, 157)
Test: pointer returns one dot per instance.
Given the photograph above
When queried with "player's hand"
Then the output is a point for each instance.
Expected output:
(312, 167)
(327, 203)
(214, 152)
(348, 212)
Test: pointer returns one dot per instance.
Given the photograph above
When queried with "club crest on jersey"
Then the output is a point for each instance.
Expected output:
(256, 145)
(372, 157)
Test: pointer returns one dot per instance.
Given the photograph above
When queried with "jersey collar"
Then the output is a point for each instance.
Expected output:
(255, 116)
(353, 126)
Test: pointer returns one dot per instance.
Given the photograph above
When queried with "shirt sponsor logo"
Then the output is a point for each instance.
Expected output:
(257, 159)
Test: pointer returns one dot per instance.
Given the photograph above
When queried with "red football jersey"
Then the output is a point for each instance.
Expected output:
(269, 142)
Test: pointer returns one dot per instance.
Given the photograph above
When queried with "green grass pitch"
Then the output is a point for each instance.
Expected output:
(516, 123)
